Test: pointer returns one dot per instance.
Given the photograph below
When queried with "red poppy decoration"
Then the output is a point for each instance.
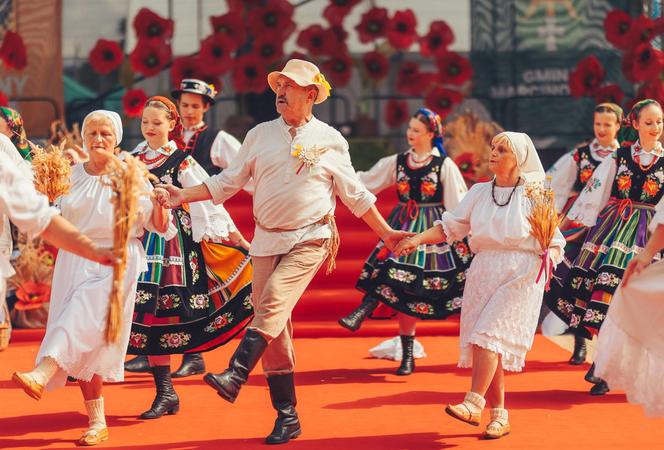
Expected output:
(4, 101)
(275, 19)
(436, 41)
(133, 101)
(150, 57)
(32, 295)
(401, 31)
(317, 40)
(249, 74)
(267, 49)
(587, 77)
(184, 67)
(454, 68)
(467, 164)
(610, 93)
(442, 100)
(338, 69)
(651, 89)
(617, 29)
(396, 113)
(216, 53)
(150, 25)
(647, 62)
(376, 65)
(232, 25)
(12, 51)
(106, 56)
(373, 25)
(411, 81)
(337, 10)
(642, 31)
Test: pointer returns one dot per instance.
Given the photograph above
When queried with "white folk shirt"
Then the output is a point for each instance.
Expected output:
(224, 147)
(285, 199)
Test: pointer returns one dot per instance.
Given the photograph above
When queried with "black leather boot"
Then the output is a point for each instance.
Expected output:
(354, 320)
(137, 365)
(192, 364)
(600, 388)
(282, 394)
(580, 351)
(243, 361)
(590, 376)
(167, 400)
(407, 361)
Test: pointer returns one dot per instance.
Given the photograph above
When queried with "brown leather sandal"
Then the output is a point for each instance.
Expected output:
(497, 428)
(93, 437)
(463, 413)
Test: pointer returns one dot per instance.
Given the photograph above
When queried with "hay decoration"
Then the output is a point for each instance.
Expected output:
(60, 133)
(544, 221)
(126, 179)
(34, 272)
(52, 169)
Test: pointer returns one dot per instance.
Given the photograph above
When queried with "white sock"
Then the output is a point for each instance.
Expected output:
(43, 373)
(96, 417)
(474, 401)
(499, 414)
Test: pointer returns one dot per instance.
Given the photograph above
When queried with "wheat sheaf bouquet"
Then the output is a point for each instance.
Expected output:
(544, 221)
(52, 169)
(126, 179)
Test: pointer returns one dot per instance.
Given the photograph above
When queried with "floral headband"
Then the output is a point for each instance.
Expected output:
(177, 133)
(435, 126)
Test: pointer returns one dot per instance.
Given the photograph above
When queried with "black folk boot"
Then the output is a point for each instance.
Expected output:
(354, 320)
(228, 383)
(166, 401)
(407, 360)
(192, 364)
(282, 394)
(580, 351)
(137, 365)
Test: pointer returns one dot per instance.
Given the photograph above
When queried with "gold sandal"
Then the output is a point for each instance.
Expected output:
(463, 413)
(497, 429)
(30, 386)
(93, 437)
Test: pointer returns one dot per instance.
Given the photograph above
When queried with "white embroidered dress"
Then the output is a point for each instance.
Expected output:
(81, 288)
(501, 300)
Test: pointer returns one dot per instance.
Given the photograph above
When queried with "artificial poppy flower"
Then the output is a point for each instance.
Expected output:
(4, 101)
(150, 25)
(651, 89)
(467, 164)
(411, 81)
(106, 56)
(133, 101)
(373, 25)
(396, 113)
(216, 53)
(275, 19)
(32, 295)
(249, 74)
(337, 10)
(338, 69)
(232, 25)
(401, 31)
(341, 36)
(150, 57)
(184, 67)
(617, 29)
(442, 100)
(317, 40)
(647, 62)
(454, 68)
(587, 77)
(12, 51)
(609, 93)
(268, 49)
(376, 65)
(436, 41)
(642, 31)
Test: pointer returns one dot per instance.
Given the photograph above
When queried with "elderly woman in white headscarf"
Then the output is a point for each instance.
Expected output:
(503, 293)
(74, 342)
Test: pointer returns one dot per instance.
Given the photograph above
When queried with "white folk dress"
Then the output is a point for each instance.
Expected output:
(81, 288)
(501, 300)
(629, 353)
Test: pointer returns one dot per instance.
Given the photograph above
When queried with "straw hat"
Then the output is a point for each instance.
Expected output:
(304, 74)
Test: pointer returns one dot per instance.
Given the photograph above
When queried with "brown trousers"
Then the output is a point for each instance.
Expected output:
(278, 283)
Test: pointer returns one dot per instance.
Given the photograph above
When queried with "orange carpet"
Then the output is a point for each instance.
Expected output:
(346, 400)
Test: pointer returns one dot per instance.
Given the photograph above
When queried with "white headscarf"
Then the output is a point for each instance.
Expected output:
(113, 117)
(530, 166)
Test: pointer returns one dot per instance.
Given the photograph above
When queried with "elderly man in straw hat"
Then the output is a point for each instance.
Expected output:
(299, 165)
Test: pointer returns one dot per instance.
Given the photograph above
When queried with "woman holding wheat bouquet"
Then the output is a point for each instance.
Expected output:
(74, 343)
(500, 307)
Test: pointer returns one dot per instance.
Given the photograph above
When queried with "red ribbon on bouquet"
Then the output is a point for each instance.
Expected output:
(546, 269)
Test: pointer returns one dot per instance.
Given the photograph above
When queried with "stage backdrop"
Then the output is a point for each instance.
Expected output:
(37, 90)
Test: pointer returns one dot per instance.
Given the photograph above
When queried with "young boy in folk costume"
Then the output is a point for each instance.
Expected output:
(429, 283)
(212, 149)
(568, 177)
(195, 295)
(618, 204)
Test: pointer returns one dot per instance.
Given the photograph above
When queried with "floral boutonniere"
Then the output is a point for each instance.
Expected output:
(308, 156)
